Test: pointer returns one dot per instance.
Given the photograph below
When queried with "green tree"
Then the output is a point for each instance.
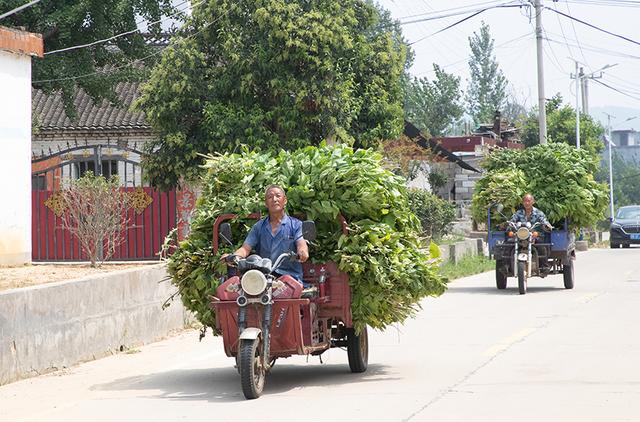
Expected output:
(486, 92)
(273, 74)
(626, 177)
(68, 23)
(561, 127)
(433, 106)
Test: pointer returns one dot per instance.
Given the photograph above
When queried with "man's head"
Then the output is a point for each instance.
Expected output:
(527, 202)
(275, 199)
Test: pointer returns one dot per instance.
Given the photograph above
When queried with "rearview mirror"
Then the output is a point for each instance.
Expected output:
(309, 230)
(225, 233)
(499, 207)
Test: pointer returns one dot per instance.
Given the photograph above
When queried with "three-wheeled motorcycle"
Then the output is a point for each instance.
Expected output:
(524, 251)
(263, 316)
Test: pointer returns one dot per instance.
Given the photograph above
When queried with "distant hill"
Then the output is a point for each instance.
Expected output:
(620, 113)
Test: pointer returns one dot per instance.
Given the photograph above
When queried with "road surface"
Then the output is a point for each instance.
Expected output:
(474, 354)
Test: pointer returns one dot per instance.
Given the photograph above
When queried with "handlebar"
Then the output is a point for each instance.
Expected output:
(233, 260)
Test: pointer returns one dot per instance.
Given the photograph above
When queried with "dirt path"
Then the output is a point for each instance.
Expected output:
(30, 275)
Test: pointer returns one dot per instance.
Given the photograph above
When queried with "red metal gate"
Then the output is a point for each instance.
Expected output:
(149, 223)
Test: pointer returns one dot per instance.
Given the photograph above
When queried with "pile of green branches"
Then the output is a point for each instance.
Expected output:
(560, 177)
(389, 269)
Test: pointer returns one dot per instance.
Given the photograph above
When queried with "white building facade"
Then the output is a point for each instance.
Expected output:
(16, 50)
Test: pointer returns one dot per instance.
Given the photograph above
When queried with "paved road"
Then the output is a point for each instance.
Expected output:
(475, 354)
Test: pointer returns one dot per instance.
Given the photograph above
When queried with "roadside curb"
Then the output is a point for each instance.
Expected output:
(53, 326)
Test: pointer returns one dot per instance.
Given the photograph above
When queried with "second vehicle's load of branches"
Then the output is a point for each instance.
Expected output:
(560, 177)
(389, 269)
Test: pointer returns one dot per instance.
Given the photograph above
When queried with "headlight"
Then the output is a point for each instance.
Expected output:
(253, 282)
(522, 233)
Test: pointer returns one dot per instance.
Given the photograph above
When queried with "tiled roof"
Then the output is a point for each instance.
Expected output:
(48, 111)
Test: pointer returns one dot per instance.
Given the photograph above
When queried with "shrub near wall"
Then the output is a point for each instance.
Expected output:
(435, 214)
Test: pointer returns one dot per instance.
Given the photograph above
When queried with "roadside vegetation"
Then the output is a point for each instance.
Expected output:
(467, 266)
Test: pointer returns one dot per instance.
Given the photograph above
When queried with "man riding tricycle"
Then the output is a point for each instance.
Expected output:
(527, 245)
(275, 304)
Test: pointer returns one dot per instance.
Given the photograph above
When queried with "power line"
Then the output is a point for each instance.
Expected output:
(591, 48)
(512, 3)
(592, 26)
(448, 27)
(436, 12)
(518, 38)
(617, 90)
(17, 9)
(76, 47)
(136, 61)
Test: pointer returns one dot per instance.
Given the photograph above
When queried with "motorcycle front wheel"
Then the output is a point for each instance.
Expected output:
(522, 277)
(252, 371)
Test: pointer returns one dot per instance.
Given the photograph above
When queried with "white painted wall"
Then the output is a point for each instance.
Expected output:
(15, 158)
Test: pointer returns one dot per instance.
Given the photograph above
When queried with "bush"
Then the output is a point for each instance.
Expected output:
(95, 212)
(435, 214)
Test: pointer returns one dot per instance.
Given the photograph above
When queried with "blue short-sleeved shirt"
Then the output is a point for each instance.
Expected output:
(271, 246)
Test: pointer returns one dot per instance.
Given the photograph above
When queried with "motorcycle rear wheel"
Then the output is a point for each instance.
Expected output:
(252, 371)
(358, 350)
(568, 274)
(501, 277)
(522, 277)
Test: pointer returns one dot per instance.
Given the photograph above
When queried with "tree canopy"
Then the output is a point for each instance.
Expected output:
(69, 23)
(486, 92)
(273, 74)
(561, 127)
(432, 106)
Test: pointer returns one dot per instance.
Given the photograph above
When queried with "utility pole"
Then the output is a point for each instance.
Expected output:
(581, 79)
(542, 111)
(585, 92)
(578, 84)
(609, 147)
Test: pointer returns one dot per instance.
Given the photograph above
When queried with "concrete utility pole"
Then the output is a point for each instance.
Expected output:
(578, 84)
(609, 147)
(542, 112)
(585, 92)
(581, 79)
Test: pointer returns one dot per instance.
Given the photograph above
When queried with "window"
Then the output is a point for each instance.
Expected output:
(38, 182)
(109, 168)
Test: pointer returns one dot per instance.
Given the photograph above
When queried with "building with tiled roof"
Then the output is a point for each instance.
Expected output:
(93, 124)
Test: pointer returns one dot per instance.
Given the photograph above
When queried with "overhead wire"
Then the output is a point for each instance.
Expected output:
(138, 29)
(593, 26)
(17, 9)
(573, 26)
(136, 61)
(616, 89)
(512, 3)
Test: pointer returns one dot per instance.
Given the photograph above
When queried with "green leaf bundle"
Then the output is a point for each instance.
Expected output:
(390, 269)
(560, 177)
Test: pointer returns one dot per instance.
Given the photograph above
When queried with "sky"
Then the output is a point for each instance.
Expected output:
(513, 31)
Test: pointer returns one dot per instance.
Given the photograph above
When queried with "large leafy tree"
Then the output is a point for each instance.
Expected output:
(433, 106)
(486, 91)
(626, 178)
(273, 74)
(561, 127)
(68, 23)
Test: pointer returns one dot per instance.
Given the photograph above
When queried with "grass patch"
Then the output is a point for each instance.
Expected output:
(467, 266)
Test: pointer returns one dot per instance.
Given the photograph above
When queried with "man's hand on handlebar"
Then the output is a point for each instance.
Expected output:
(230, 259)
(303, 255)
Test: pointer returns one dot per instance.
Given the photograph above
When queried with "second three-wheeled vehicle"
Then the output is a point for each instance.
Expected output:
(263, 317)
(523, 251)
